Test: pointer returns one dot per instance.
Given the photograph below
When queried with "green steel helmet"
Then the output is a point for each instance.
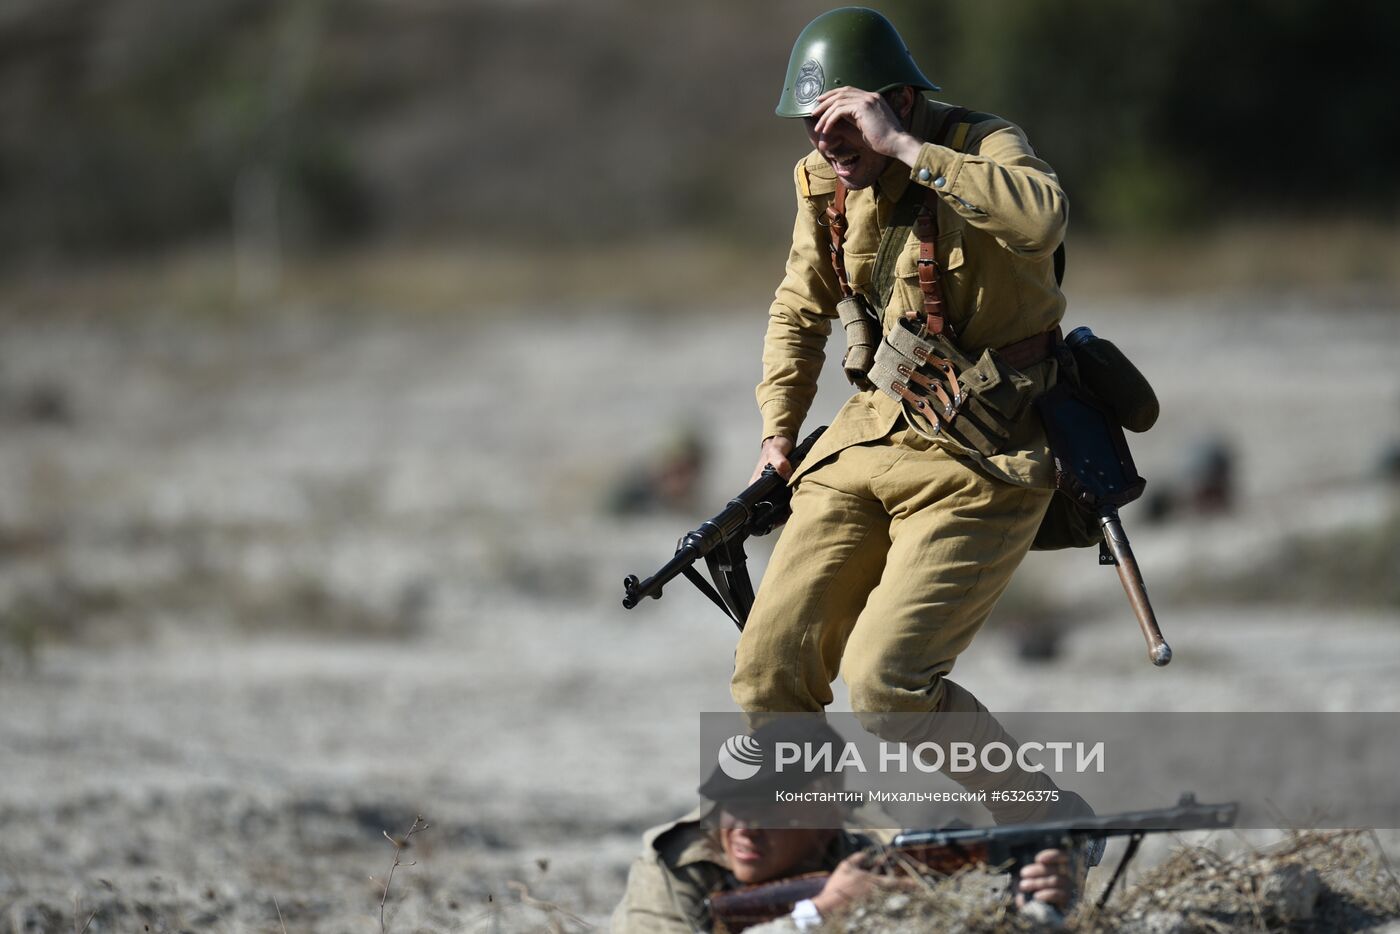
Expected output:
(850, 46)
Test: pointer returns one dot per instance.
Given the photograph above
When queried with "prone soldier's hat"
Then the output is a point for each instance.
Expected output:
(852, 47)
(750, 771)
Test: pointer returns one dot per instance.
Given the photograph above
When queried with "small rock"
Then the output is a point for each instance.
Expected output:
(1290, 891)
(1158, 922)
(776, 926)
(895, 904)
(1042, 914)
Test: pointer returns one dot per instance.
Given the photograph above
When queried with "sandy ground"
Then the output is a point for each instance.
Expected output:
(276, 585)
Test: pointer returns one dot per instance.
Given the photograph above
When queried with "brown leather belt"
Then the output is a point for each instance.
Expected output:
(1035, 349)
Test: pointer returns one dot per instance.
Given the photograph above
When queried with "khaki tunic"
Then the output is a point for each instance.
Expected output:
(898, 545)
(1001, 214)
(681, 864)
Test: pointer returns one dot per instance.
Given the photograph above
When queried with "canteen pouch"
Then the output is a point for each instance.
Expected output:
(1113, 381)
(862, 337)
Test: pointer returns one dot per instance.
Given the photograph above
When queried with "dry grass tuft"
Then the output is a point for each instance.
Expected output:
(1314, 881)
(399, 844)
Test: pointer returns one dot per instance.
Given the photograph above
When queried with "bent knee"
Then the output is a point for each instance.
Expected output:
(878, 688)
(759, 688)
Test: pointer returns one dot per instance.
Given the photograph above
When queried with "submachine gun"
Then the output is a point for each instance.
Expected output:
(1094, 476)
(720, 541)
(1007, 848)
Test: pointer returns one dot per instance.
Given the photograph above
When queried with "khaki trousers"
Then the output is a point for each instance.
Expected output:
(892, 560)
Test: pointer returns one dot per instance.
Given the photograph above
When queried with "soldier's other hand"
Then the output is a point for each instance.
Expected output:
(775, 451)
(869, 113)
(1047, 879)
(849, 882)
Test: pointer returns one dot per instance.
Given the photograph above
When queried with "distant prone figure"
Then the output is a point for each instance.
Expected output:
(667, 484)
(1210, 486)
(1211, 477)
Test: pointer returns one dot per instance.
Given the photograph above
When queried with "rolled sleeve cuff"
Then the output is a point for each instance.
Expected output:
(937, 168)
(780, 419)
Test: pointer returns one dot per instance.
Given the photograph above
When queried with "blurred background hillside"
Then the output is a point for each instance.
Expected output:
(352, 352)
(288, 128)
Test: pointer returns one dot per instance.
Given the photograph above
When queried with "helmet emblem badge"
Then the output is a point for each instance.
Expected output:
(810, 81)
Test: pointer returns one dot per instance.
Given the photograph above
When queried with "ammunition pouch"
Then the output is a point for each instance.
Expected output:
(862, 337)
(944, 392)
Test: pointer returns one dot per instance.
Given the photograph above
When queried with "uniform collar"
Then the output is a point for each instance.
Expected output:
(704, 849)
(686, 841)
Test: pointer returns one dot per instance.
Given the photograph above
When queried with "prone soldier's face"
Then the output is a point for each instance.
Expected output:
(845, 150)
(758, 854)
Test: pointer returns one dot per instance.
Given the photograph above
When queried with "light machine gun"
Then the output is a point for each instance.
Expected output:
(720, 541)
(945, 852)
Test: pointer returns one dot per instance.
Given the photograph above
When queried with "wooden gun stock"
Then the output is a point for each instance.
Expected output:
(735, 910)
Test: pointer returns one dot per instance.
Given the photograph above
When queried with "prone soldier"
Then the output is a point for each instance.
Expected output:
(734, 843)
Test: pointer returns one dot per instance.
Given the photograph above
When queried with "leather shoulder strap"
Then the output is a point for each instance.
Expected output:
(952, 128)
(836, 227)
(951, 131)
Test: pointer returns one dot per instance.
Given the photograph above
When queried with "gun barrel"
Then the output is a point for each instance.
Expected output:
(1128, 572)
(1186, 815)
(759, 504)
(634, 591)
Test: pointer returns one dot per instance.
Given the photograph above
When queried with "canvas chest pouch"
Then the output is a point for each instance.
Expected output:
(862, 328)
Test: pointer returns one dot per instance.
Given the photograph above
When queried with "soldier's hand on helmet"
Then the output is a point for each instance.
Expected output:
(871, 116)
(1047, 879)
(775, 451)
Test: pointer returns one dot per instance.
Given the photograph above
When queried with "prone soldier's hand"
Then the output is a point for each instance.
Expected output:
(849, 882)
(1047, 879)
(775, 451)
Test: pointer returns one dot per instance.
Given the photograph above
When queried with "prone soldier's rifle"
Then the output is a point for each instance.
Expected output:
(945, 852)
(759, 509)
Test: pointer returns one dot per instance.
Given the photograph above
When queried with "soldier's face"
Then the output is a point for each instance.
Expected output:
(758, 854)
(844, 149)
